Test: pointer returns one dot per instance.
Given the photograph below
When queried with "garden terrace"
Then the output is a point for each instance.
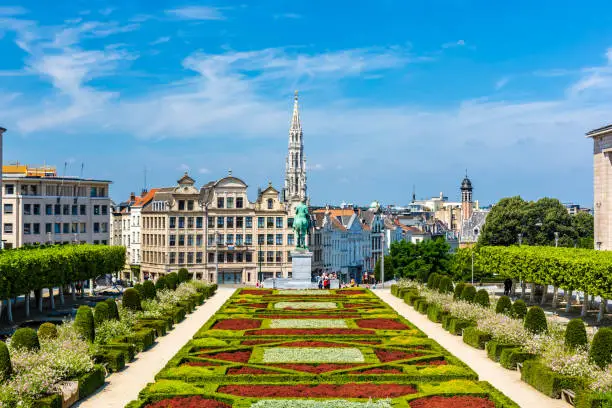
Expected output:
(341, 356)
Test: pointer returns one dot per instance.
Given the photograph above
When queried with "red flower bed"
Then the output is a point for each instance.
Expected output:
(259, 292)
(312, 344)
(463, 401)
(381, 324)
(306, 316)
(363, 390)
(310, 332)
(255, 342)
(257, 305)
(432, 362)
(249, 370)
(350, 292)
(188, 402)
(316, 368)
(241, 356)
(379, 370)
(201, 364)
(237, 324)
(393, 355)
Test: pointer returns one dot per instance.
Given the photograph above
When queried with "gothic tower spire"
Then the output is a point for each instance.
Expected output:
(295, 166)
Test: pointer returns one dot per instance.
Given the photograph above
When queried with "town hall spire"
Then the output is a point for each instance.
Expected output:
(295, 166)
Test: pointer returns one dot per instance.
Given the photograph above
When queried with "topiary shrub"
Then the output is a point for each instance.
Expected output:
(446, 285)
(172, 280)
(535, 321)
(519, 309)
(84, 323)
(601, 347)
(504, 306)
(148, 290)
(575, 334)
(468, 293)
(422, 275)
(140, 289)
(458, 289)
(47, 331)
(101, 313)
(6, 368)
(431, 279)
(113, 310)
(161, 283)
(482, 298)
(436, 281)
(183, 275)
(25, 338)
(132, 300)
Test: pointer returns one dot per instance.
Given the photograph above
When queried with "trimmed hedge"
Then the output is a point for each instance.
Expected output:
(494, 349)
(113, 310)
(468, 293)
(25, 338)
(519, 309)
(434, 313)
(504, 306)
(431, 280)
(6, 368)
(535, 321)
(172, 280)
(113, 359)
(475, 337)
(132, 300)
(183, 275)
(84, 323)
(161, 283)
(575, 334)
(90, 382)
(456, 326)
(47, 330)
(50, 401)
(601, 347)
(482, 298)
(101, 313)
(140, 289)
(458, 290)
(446, 285)
(511, 356)
(585, 399)
(148, 290)
(547, 381)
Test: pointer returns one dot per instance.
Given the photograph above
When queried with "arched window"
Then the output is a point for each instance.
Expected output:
(270, 204)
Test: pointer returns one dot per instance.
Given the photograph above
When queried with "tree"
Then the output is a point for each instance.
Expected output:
(421, 259)
(583, 224)
(504, 222)
(389, 269)
(461, 266)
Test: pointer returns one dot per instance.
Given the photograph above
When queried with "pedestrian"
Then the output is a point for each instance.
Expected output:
(320, 283)
(507, 286)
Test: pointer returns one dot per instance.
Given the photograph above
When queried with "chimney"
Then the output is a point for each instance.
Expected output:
(132, 196)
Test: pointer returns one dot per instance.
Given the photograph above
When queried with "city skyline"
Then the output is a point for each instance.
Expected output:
(187, 87)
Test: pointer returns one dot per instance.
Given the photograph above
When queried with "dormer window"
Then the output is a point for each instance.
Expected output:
(270, 204)
(220, 202)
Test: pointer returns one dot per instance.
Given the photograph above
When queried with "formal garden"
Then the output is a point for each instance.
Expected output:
(314, 348)
(58, 365)
(556, 359)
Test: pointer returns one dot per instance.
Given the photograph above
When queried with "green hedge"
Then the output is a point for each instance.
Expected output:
(128, 349)
(456, 326)
(475, 337)
(90, 382)
(113, 359)
(547, 381)
(50, 401)
(511, 356)
(495, 348)
(423, 305)
(434, 313)
(585, 399)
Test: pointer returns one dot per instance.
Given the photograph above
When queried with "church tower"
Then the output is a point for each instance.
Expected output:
(295, 166)
(466, 198)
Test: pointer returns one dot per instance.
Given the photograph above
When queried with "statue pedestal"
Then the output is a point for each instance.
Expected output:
(301, 273)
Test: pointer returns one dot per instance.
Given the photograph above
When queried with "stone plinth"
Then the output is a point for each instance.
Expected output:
(301, 273)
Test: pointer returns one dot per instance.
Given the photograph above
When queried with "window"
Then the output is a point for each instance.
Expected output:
(27, 229)
(83, 209)
(83, 228)
(48, 209)
(199, 257)
(75, 210)
(211, 257)
(189, 222)
(290, 239)
(27, 209)
(181, 258)
(104, 210)
(239, 257)
(104, 227)
(289, 222)
(58, 228)
(270, 223)
(220, 257)
(181, 205)
(66, 228)
(96, 227)
(189, 240)
(261, 222)
(199, 240)
(220, 222)
(229, 257)
(8, 208)
(8, 228)
(181, 240)
(239, 239)
(74, 227)
(279, 239)
(249, 257)
(279, 257)
(260, 239)
(260, 256)
(9, 189)
(220, 202)
(172, 222)
(211, 222)
(230, 222)
(181, 222)
(36, 229)
(172, 257)
(48, 228)
(239, 222)
(230, 202)
(279, 222)
(270, 204)
(190, 255)
(220, 239)
(211, 239)
(248, 239)
(229, 240)
(36, 209)
(239, 202)
(288, 256)
(270, 239)
(249, 222)
(199, 222)
(190, 205)
(58, 209)
(96, 210)
(270, 257)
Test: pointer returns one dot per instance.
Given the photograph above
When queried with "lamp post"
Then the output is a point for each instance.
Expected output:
(556, 239)
(473, 266)
(259, 261)
(217, 235)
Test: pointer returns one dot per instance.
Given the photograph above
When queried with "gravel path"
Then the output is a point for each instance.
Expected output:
(124, 386)
(507, 381)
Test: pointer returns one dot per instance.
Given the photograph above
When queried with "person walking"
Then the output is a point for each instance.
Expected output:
(507, 286)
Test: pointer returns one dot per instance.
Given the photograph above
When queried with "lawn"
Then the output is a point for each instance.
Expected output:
(314, 349)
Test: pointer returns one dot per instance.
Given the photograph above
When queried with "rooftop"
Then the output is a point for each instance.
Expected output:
(598, 131)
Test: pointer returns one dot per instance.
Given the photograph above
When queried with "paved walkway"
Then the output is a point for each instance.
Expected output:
(124, 386)
(507, 381)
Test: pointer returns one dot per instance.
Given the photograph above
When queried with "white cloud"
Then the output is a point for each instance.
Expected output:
(196, 13)
(458, 43)
(106, 11)
(160, 40)
(203, 170)
(12, 10)
(501, 83)
(293, 16)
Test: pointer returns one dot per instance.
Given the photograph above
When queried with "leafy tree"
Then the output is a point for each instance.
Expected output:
(461, 265)
(421, 259)
(583, 224)
(389, 269)
(504, 222)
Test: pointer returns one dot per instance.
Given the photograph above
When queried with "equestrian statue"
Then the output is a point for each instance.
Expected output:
(301, 224)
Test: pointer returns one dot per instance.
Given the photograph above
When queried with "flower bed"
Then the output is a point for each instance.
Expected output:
(188, 402)
(299, 356)
(305, 305)
(452, 402)
(257, 292)
(237, 324)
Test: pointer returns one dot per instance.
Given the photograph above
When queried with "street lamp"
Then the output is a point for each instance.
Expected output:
(556, 239)
(520, 238)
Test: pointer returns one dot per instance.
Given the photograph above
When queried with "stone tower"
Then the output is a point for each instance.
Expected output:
(466, 198)
(295, 167)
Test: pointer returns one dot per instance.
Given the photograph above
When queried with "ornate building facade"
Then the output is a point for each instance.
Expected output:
(472, 217)
(602, 186)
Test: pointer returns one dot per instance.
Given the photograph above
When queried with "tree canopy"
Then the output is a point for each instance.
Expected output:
(413, 260)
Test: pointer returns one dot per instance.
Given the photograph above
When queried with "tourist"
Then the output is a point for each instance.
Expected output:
(507, 286)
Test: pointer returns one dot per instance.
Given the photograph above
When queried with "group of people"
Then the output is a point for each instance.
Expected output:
(325, 280)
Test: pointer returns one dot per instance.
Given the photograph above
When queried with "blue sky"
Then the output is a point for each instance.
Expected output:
(393, 93)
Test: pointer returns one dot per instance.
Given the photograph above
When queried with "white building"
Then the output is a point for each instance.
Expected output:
(39, 207)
